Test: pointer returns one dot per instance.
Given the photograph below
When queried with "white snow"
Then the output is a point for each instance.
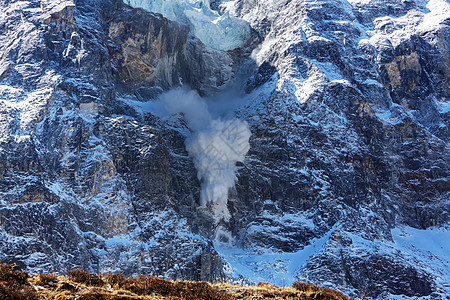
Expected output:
(278, 268)
(216, 150)
(444, 107)
(439, 12)
(385, 115)
(123, 240)
(216, 145)
(24, 108)
(221, 32)
(303, 89)
(427, 250)
(398, 29)
(391, 115)
(373, 82)
(260, 53)
(430, 249)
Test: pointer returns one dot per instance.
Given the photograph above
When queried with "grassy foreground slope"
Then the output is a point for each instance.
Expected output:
(16, 284)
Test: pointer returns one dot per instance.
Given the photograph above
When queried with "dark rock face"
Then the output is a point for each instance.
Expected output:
(145, 47)
(349, 137)
(149, 50)
(348, 108)
(372, 274)
(42, 235)
(82, 187)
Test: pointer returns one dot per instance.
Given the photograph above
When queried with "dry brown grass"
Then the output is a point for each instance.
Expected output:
(199, 290)
(86, 278)
(61, 295)
(96, 294)
(9, 274)
(46, 279)
(300, 290)
(262, 291)
(147, 285)
(14, 284)
(87, 286)
(317, 292)
(115, 280)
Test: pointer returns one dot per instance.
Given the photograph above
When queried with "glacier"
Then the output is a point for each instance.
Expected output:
(220, 32)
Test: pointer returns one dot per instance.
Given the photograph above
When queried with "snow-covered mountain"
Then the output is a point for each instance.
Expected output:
(310, 141)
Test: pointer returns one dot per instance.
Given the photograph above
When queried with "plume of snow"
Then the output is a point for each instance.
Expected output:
(215, 145)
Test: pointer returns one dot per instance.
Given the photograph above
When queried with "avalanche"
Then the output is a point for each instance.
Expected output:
(216, 144)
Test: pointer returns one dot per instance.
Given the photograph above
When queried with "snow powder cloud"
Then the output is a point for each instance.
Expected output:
(215, 145)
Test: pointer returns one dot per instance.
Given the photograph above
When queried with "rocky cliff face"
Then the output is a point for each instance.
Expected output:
(350, 136)
(346, 181)
(83, 184)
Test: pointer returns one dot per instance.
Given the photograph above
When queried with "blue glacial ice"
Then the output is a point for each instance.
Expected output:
(221, 32)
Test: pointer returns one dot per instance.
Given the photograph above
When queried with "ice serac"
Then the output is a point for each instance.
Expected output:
(221, 32)
(345, 183)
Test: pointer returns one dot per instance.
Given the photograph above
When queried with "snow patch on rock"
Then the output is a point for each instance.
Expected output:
(264, 265)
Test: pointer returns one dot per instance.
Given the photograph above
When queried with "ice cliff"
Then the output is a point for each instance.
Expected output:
(222, 32)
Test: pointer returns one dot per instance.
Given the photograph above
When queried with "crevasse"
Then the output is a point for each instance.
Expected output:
(221, 32)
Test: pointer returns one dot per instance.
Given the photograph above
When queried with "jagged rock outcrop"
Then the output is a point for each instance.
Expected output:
(147, 50)
(348, 108)
(82, 187)
(354, 135)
